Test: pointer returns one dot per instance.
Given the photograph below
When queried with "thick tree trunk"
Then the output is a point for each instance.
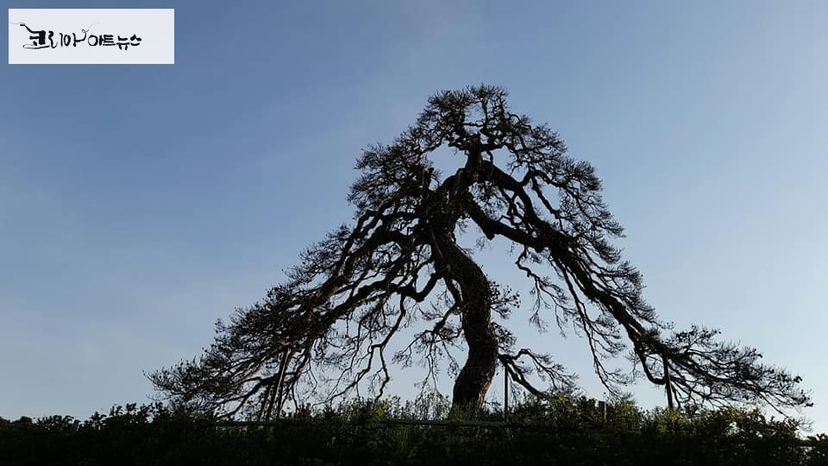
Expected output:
(475, 300)
(476, 376)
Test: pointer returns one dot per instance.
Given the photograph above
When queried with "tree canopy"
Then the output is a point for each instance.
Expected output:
(398, 265)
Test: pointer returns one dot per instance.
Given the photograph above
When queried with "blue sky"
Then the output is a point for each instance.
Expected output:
(138, 204)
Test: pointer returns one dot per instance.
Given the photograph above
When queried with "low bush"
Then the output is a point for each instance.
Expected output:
(561, 431)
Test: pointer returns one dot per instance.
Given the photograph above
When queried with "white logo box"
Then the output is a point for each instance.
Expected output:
(92, 36)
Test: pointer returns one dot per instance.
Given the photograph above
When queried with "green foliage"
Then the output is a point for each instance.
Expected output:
(558, 431)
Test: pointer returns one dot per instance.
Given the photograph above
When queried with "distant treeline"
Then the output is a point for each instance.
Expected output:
(559, 432)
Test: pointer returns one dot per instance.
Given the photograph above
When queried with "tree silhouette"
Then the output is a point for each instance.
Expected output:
(329, 326)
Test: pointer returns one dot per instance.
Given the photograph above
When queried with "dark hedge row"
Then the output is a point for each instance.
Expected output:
(564, 432)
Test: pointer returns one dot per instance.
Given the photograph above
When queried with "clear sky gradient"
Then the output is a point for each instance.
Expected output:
(138, 204)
